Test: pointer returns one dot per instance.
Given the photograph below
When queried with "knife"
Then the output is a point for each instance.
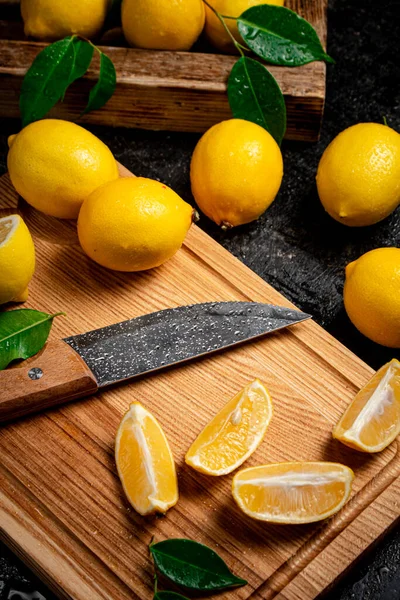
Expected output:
(82, 364)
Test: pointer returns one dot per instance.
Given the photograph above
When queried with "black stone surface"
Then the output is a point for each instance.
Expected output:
(295, 246)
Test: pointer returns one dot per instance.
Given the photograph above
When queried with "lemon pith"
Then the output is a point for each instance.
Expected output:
(145, 463)
(294, 492)
(372, 420)
(17, 259)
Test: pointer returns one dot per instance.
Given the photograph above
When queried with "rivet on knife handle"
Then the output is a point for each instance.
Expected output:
(54, 376)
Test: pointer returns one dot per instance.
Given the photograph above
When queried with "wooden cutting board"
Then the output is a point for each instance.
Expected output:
(62, 509)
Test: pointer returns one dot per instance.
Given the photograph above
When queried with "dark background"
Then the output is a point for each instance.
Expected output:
(295, 246)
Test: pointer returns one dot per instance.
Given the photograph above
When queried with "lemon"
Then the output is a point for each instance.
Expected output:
(55, 19)
(216, 32)
(54, 165)
(372, 421)
(162, 24)
(17, 259)
(294, 492)
(234, 433)
(236, 172)
(372, 295)
(145, 463)
(133, 224)
(358, 175)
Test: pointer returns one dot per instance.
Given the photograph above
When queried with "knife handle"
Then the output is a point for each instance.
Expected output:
(54, 376)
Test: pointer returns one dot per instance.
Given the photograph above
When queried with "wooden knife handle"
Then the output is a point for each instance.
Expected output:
(56, 375)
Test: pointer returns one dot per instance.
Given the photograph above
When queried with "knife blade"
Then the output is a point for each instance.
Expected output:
(81, 364)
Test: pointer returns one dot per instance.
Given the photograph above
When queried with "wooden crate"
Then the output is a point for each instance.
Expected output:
(176, 91)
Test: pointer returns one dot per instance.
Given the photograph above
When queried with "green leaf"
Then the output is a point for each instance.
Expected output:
(46, 80)
(280, 36)
(168, 596)
(193, 565)
(104, 88)
(254, 95)
(83, 54)
(23, 333)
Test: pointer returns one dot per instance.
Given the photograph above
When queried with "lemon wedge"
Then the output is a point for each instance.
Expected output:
(234, 433)
(17, 259)
(372, 421)
(293, 492)
(145, 463)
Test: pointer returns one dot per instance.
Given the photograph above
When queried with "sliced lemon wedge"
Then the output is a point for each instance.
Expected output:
(293, 492)
(234, 433)
(372, 421)
(145, 463)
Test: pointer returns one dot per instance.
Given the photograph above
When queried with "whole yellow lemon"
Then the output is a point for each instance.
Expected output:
(55, 19)
(358, 176)
(236, 172)
(216, 32)
(162, 24)
(54, 165)
(17, 259)
(372, 295)
(133, 224)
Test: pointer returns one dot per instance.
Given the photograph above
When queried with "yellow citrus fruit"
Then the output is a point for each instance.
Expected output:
(215, 31)
(54, 165)
(372, 421)
(17, 259)
(145, 463)
(236, 172)
(162, 24)
(372, 295)
(133, 224)
(293, 492)
(234, 433)
(358, 176)
(55, 19)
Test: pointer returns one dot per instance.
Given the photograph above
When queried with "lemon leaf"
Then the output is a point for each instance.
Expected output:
(193, 565)
(46, 80)
(280, 36)
(104, 88)
(254, 95)
(23, 332)
(83, 54)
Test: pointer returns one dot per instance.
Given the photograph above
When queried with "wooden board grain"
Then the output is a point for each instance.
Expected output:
(62, 509)
(177, 91)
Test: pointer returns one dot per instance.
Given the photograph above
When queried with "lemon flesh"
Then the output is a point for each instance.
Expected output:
(358, 176)
(162, 24)
(54, 165)
(17, 259)
(55, 19)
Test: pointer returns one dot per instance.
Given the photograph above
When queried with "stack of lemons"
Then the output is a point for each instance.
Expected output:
(151, 24)
(125, 224)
